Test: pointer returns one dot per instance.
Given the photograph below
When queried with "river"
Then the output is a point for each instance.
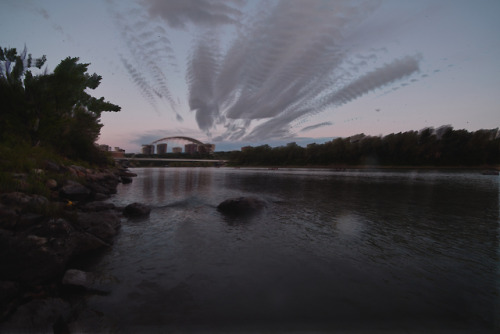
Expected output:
(334, 251)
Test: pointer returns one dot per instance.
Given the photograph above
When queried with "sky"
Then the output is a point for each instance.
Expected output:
(253, 72)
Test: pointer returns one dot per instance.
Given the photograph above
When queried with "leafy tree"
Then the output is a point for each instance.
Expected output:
(429, 147)
(50, 109)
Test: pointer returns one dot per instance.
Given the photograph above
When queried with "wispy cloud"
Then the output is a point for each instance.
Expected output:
(149, 57)
(179, 13)
(315, 126)
(288, 62)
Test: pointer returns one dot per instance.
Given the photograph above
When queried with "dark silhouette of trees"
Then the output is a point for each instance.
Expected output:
(50, 109)
(427, 147)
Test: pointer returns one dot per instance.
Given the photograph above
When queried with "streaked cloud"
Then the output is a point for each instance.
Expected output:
(287, 62)
(209, 13)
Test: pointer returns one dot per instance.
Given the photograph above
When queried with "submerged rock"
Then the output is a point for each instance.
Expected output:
(241, 205)
(136, 210)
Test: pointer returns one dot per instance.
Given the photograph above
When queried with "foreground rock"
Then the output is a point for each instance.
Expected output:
(39, 316)
(136, 210)
(89, 281)
(241, 206)
(74, 191)
(40, 236)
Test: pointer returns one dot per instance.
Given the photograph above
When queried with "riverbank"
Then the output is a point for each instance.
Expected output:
(50, 217)
(480, 169)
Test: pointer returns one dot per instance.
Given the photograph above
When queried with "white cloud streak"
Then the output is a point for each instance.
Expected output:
(294, 60)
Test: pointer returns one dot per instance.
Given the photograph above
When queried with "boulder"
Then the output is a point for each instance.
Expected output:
(51, 184)
(126, 179)
(38, 316)
(89, 281)
(126, 173)
(8, 217)
(136, 210)
(103, 183)
(104, 224)
(241, 206)
(23, 201)
(100, 197)
(97, 206)
(9, 291)
(52, 166)
(32, 259)
(85, 242)
(29, 219)
(74, 191)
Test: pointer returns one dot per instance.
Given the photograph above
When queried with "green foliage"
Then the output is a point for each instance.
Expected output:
(428, 147)
(51, 110)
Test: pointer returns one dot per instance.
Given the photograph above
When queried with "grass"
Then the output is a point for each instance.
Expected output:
(22, 169)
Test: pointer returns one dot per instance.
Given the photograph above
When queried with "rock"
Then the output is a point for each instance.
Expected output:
(127, 174)
(104, 183)
(20, 176)
(53, 228)
(78, 170)
(38, 316)
(136, 210)
(100, 197)
(89, 281)
(31, 259)
(241, 206)
(126, 179)
(85, 242)
(97, 206)
(52, 166)
(51, 184)
(23, 201)
(29, 219)
(38, 171)
(18, 199)
(104, 224)
(38, 201)
(92, 321)
(74, 191)
(8, 217)
(8, 292)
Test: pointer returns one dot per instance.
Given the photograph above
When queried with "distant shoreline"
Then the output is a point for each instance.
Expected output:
(350, 167)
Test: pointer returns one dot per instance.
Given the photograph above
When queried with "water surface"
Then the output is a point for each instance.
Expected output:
(353, 250)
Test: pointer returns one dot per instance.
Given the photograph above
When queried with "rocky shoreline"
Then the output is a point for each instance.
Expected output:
(42, 236)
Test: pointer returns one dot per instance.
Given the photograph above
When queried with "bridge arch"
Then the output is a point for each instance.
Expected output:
(192, 140)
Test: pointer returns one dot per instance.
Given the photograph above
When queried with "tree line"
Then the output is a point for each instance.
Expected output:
(443, 146)
(52, 110)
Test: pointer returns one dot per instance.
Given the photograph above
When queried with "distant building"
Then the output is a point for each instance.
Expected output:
(176, 149)
(206, 148)
(161, 148)
(148, 149)
(190, 148)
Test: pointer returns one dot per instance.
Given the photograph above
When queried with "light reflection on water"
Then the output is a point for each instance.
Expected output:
(334, 250)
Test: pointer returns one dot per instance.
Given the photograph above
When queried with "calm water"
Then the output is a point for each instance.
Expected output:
(353, 250)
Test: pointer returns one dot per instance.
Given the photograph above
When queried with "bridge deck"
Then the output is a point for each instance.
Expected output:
(167, 159)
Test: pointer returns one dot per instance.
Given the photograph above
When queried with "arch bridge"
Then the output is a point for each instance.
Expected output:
(192, 140)
(194, 146)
